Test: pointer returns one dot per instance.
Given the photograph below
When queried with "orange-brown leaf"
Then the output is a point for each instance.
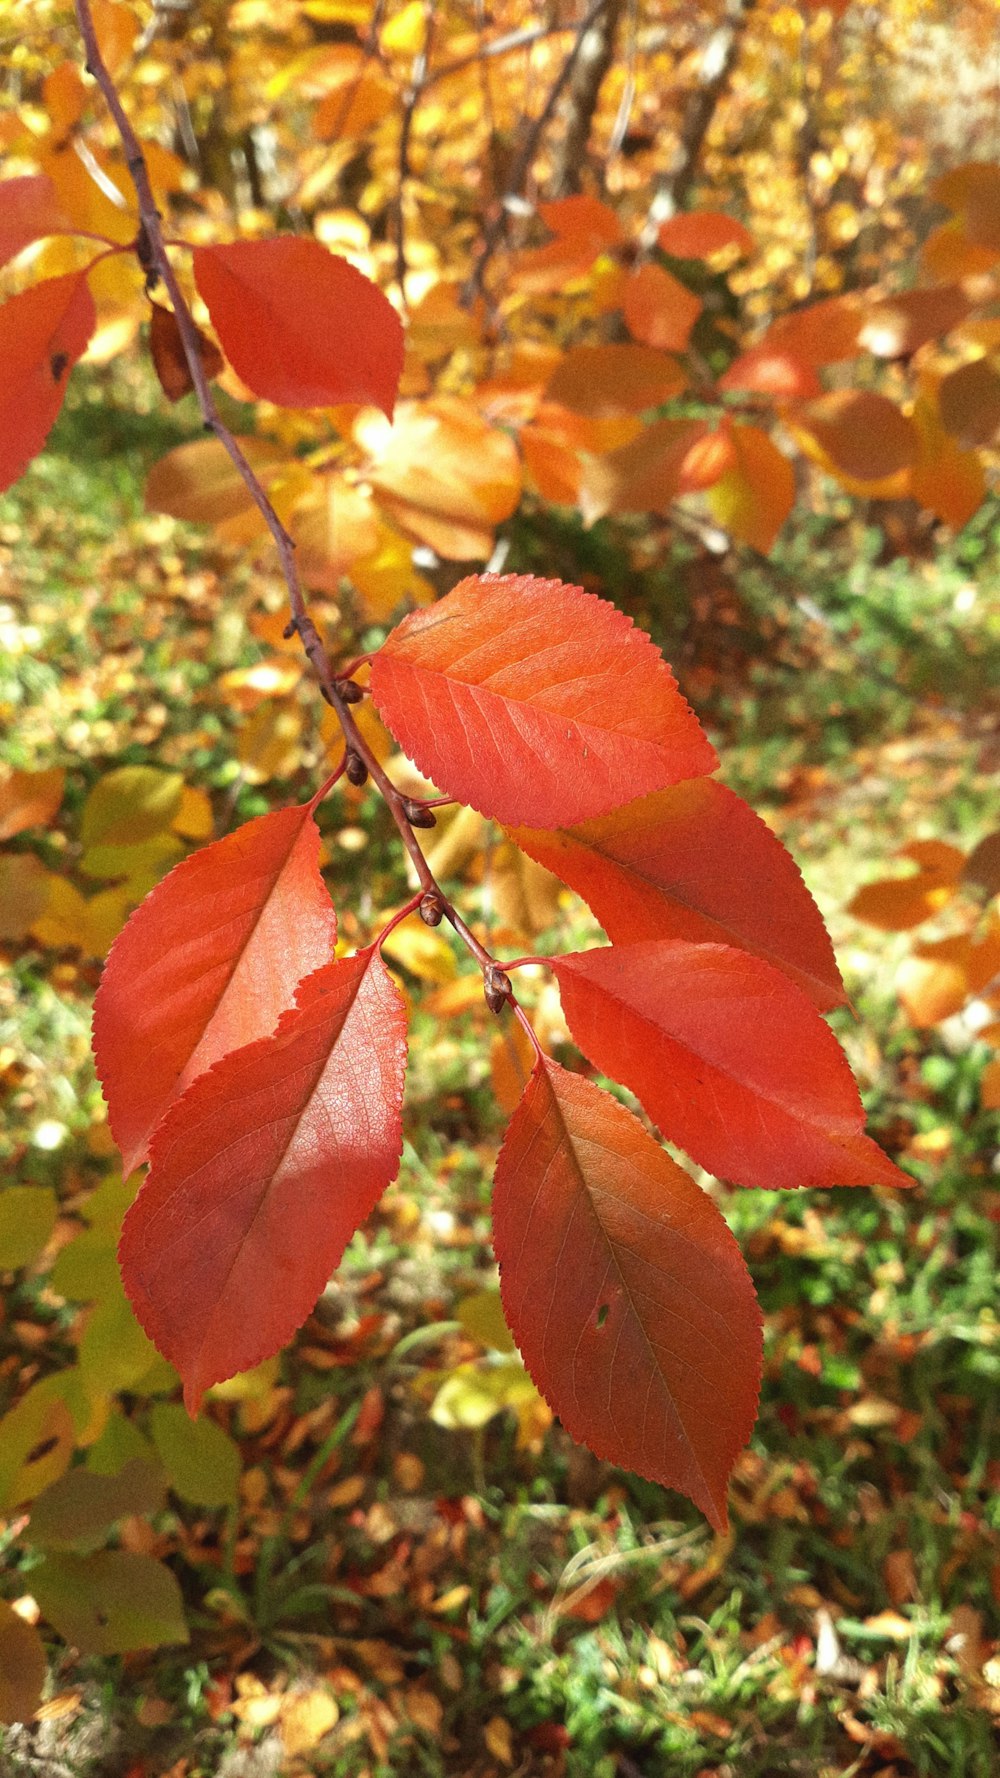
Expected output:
(615, 379)
(754, 496)
(698, 234)
(898, 325)
(659, 310)
(861, 434)
(625, 1291)
(447, 477)
(169, 359)
(969, 402)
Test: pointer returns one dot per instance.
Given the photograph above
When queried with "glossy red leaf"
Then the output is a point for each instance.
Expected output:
(208, 963)
(625, 1290)
(728, 1057)
(43, 332)
(695, 862)
(29, 211)
(299, 325)
(535, 702)
(262, 1172)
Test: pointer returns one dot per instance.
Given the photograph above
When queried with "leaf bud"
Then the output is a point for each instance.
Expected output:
(431, 909)
(496, 987)
(417, 815)
(355, 769)
(351, 693)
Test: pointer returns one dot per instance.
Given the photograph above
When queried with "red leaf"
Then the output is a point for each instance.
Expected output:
(694, 862)
(535, 702)
(728, 1057)
(301, 326)
(29, 211)
(42, 334)
(262, 1172)
(625, 1290)
(208, 963)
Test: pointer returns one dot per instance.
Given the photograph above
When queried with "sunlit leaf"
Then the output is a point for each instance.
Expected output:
(299, 325)
(754, 495)
(694, 862)
(659, 310)
(698, 234)
(728, 1057)
(262, 1172)
(535, 702)
(625, 1291)
(43, 332)
(208, 964)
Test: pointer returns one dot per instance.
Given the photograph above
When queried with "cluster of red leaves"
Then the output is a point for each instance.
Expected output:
(264, 1080)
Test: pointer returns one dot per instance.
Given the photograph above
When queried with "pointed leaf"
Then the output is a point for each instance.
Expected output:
(207, 964)
(899, 325)
(445, 475)
(659, 310)
(262, 1172)
(753, 498)
(29, 211)
(969, 402)
(697, 234)
(695, 862)
(863, 435)
(535, 702)
(729, 1059)
(43, 332)
(111, 1602)
(299, 325)
(615, 379)
(625, 1290)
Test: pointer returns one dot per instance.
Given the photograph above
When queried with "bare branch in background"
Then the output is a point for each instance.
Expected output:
(597, 50)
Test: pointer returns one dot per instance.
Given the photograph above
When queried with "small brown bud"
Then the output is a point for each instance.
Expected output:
(355, 769)
(417, 815)
(351, 693)
(289, 630)
(496, 987)
(431, 909)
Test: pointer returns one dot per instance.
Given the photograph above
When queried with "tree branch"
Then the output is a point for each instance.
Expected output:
(340, 692)
(596, 53)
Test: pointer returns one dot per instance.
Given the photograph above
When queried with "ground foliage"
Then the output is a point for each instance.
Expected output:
(594, 1629)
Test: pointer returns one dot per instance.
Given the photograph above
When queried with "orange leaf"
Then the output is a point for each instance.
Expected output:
(945, 479)
(29, 799)
(754, 497)
(697, 234)
(896, 903)
(447, 477)
(899, 325)
(535, 702)
(824, 332)
(29, 211)
(42, 334)
(262, 1172)
(768, 370)
(334, 526)
(200, 483)
(969, 402)
(989, 1086)
(948, 253)
(860, 434)
(625, 1291)
(615, 379)
(694, 862)
(299, 325)
(728, 1057)
(669, 457)
(360, 100)
(583, 228)
(659, 310)
(169, 359)
(208, 962)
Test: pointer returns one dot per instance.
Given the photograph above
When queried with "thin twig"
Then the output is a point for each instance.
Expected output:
(151, 250)
(497, 229)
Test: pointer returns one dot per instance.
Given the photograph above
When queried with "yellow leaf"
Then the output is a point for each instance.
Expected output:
(421, 950)
(753, 498)
(270, 744)
(194, 819)
(305, 1718)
